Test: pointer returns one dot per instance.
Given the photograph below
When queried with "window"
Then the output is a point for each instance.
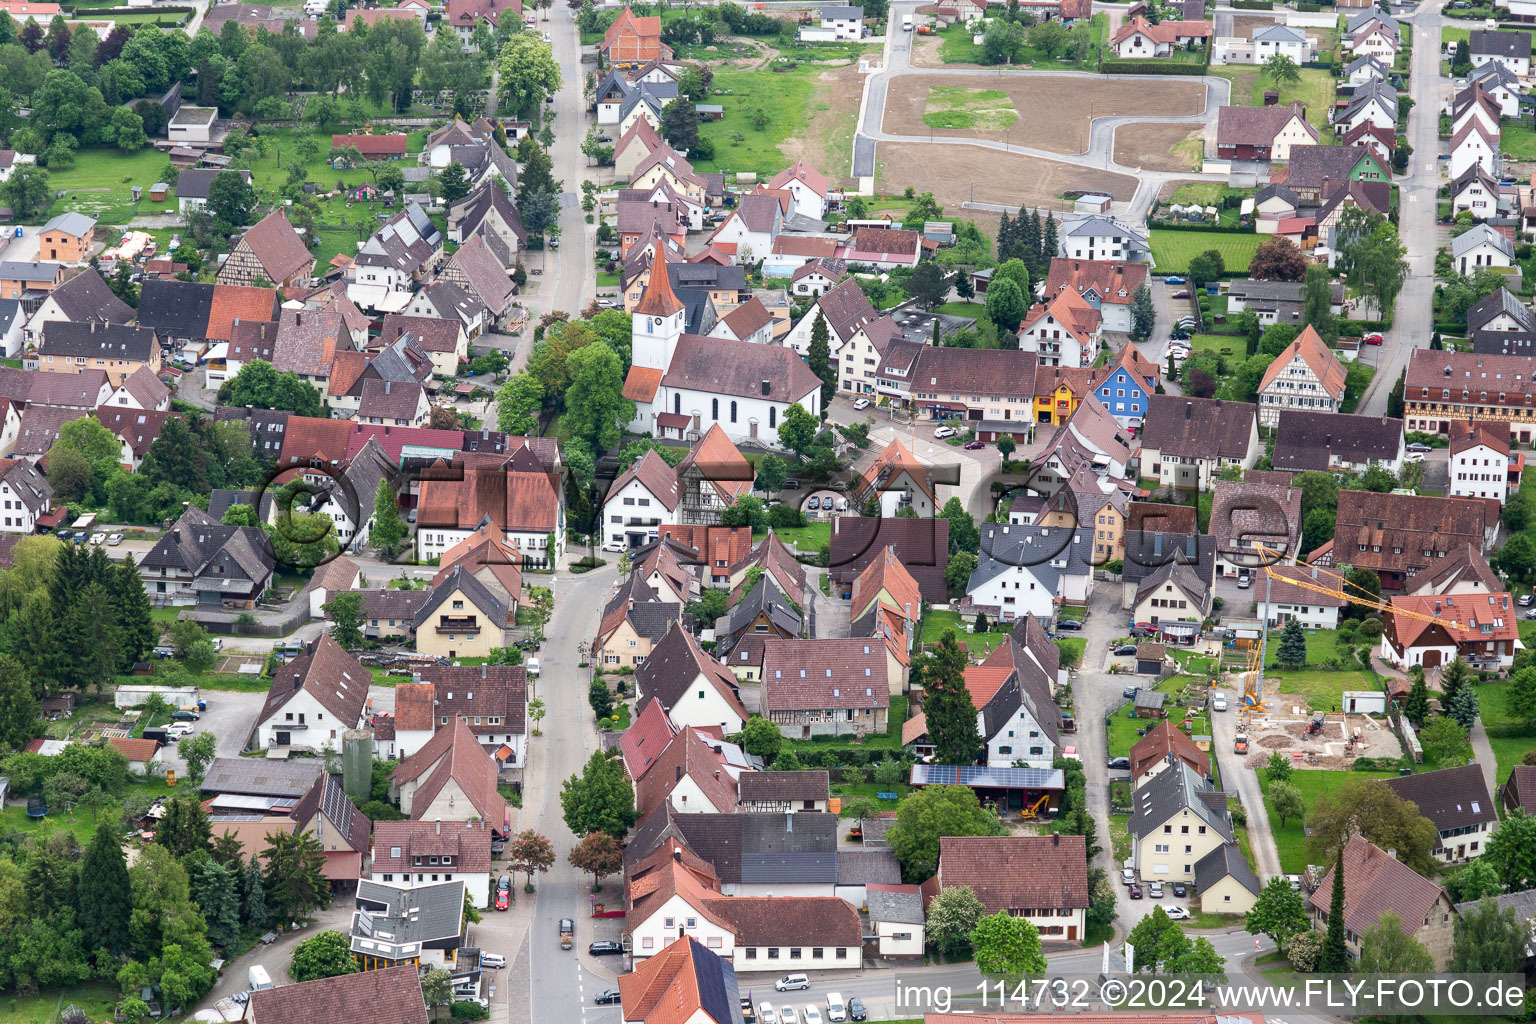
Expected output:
(794, 953)
(773, 952)
(669, 922)
(842, 953)
(818, 953)
(714, 409)
(647, 943)
(751, 953)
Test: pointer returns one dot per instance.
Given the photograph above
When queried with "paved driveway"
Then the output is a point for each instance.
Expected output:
(230, 717)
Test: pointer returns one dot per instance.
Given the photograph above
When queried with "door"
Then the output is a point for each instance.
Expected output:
(1431, 659)
(752, 427)
(283, 739)
(1071, 933)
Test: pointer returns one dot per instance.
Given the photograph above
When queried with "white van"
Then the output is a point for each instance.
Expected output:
(259, 978)
(533, 666)
(836, 1012)
(906, 23)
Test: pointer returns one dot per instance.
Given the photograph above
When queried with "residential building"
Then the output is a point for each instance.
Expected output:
(684, 981)
(922, 545)
(771, 792)
(1306, 375)
(20, 280)
(1031, 570)
(461, 618)
(1225, 882)
(1275, 301)
(1254, 524)
(1400, 535)
(897, 918)
(314, 699)
(1173, 601)
(896, 480)
(1186, 441)
(1499, 82)
(116, 349)
(1380, 883)
(810, 188)
(520, 497)
(141, 390)
(1065, 331)
(272, 250)
(1178, 817)
(419, 852)
(689, 776)
(1042, 879)
(1263, 133)
(1109, 286)
(391, 996)
(837, 24)
(83, 298)
(419, 926)
(1456, 802)
(1511, 50)
(1474, 146)
(994, 388)
(1100, 238)
(1285, 592)
(693, 687)
(1165, 745)
(465, 15)
(1481, 248)
(199, 561)
(1337, 442)
(67, 238)
(1137, 38)
(631, 41)
(885, 247)
(1463, 571)
(1432, 629)
(1311, 166)
(191, 126)
(1479, 462)
(1519, 789)
(1477, 192)
(825, 687)
(26, 498)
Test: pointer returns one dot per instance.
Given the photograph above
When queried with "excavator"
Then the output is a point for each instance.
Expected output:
(1032, 812)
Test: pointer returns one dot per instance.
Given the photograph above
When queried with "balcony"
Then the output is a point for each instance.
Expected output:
(463, 624)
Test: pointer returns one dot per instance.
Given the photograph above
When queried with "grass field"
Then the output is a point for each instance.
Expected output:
(1509, 739)
(785, 98)
(954, 106)
(807, 538)
(97, 998)
(1174, 249)
(957, 47)
(1291, 839)
(1454, 34)
(961, 308)
(1517, 139)
(936, 622)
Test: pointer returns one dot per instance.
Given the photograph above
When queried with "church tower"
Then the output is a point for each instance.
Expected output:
(657, 322)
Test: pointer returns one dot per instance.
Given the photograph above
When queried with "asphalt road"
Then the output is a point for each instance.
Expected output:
(1412, 323)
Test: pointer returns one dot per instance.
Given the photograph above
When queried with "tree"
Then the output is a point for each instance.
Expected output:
(198, 751)
(1279, 912)
(19, 707)
(1333, 958)
(183, 828)
(27, 192)
(1277, 768)
(1474, 882)
(819, 358)
(1206, 267)
(527, 72)
(761, 738)
(68, 473)
(772, 471)
(105, 897)
(947, 702)
(1371, 257)
(1517, 557)
(1007, 945)
(1416, 707)
(453, 182)
(387, 529)
(1006, 306)
(1281, 70)
(599, 699)
(1367, 807)
(927, 285)
(797, 429)
(599, 799)
(1157, 940)
(518, 403)
(963, 534)
(253, 896)
(345, 611)
(1317, 300)
(529, 852)
(231, 199)
(1293, 645)
(925, 815)
(1001, 41)
(260, 386)
(1512, 851)
(1455, 678)
(1101, 900)
(1143, 313)
(680, 126)
(437, 987)
(1288, 801)
(952, 918)
(327, 954)
(1445, 741)
(1277, 259)
(1488, 940)
(599, 854)
(1386, 949)
(1462, 707)
(294, 875)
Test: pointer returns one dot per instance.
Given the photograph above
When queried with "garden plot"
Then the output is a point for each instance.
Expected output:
(956, 107)
(1071, 100)
(1284, 730)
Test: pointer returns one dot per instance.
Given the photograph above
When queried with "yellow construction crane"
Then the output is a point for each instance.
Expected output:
(1253, 692)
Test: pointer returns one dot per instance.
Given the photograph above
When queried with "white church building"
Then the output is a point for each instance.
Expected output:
(682, 384)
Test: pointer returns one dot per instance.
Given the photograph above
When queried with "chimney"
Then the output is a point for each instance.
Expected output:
(1055, 838)
(767, 387)
(717, 774)
(677, 853)
(1189, 410)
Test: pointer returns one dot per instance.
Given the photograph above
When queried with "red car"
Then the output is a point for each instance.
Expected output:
(504, 892)
(1135, 892)
(1373, 339)
(1182, 293)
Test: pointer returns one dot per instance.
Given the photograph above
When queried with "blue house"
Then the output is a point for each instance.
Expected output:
(1126, 385)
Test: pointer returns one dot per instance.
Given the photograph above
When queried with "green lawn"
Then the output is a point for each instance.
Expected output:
(1291, 840)
(608, 279)
(962, 308)
(785, 99)
(1124, 731)
(1517, 139)
(1322, 644)
(1120, 837)
(1314, 88)
(851, 791)
(807, 538)
(957, 107)
(957, 47)
(1219, 345)
(1073, 643)
(1453, 34)
(101, 184)
(1321, 689)
(936, 622)
(1174, 249)
(97, 998)
(1507, 736)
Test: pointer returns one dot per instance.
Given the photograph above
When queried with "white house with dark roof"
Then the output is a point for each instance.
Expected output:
(643, 498)
(1499, 82)
(1100, 238)
(25, 495)
(1510, 49)
(811, 189)
(314, 699)
(751, 227)
(694, 688)
(1481, 248)
(1177, 818)
(1477, 192)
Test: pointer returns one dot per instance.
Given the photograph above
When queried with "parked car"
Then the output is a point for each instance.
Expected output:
(943, 432)
(1120, 764)
(792, 983)
(814, 504)
(163, 651)
(98, 538)
(1374, 339)
(1414, 457)
(1071, 625)
(495, 961)
(1129, 693)
(812, 1014)
(1155, 890)
(1526, 600)
(1420, 446)
(787, 1015)
(1125, 650)
(1182, 293)
(1175, 280)
(179, 729)
(971, 446)
(114, 540)
(1135, 892)
(766, 1014)
(1295, 881)
(1179, 888)
(791, 484)
(1244, 582)
(1219, 702)
(1177, 913)
(862, 403)
(503, 892)
(607, 997)
(182, 715)
(1128, 876)
(605, 947)
(856, 1009)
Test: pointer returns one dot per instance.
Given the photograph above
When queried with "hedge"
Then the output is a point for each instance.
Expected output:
(1254, 5)
(1153, 67)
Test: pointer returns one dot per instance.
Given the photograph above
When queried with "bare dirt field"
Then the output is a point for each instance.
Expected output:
(1151, 146)
(1071, 100)
(956, 174)
(1288, 734)
(1245, 25)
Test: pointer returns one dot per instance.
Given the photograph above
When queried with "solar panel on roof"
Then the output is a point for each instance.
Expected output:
(998, 778)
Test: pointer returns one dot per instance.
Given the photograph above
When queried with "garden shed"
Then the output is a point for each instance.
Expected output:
(1149, 703)
(1149, 659)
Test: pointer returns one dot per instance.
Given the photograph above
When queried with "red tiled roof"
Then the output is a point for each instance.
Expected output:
(238, 302)
(1374, 883)
(135, 750)
(1160, 741)
(374, 145)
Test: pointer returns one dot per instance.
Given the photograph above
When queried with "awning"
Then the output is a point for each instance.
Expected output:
(1179, 628)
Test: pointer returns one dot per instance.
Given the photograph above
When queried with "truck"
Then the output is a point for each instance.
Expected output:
(1240, 745)
(906, 23)
(748, 1011)
(259, 978)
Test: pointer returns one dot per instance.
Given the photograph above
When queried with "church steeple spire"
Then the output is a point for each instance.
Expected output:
(659, 299)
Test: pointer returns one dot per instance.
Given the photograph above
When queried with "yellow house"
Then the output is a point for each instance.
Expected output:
(1058, 392)
(1225, 882)
(1091, 501)
(1173, 827)
(634, 621)
(461, 619)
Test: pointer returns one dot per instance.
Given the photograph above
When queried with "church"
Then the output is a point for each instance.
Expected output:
(683, 384)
